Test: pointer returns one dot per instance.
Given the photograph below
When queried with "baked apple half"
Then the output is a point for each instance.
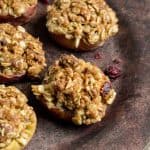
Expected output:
(81, 25)
(20, 54)
(17, 119)
(17, 11)
(75, 91)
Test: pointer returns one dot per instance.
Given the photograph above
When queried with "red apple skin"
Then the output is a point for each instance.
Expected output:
(55, 112)
(9, 79)
(69, 44)
(30, 13)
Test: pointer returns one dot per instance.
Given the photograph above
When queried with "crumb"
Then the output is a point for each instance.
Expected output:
(117, 61)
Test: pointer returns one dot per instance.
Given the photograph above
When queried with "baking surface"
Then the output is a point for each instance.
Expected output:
(127, 123)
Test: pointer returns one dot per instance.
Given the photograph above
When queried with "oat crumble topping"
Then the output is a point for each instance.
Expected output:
(20, 53)
(76, 86)
(16, 117)
(15, 8)
(91, 21)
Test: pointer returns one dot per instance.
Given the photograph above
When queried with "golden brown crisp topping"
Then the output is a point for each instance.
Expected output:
(20, 53)
(76, 86)
(15, 8)
(93, 21)
(16, 117)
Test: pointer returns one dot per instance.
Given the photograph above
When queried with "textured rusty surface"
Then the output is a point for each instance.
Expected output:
(127, 124)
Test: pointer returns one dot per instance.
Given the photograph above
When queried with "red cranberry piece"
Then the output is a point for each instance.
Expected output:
(113, 72)
(98, 56)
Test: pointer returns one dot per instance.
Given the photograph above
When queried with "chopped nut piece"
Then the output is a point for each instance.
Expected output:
(87, 22)
(75, 90)
(17, 119)
(20, 53)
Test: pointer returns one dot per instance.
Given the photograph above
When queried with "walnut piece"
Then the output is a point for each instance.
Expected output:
(78, 87)
(20, 53)
(91, 21)
(17, 119)
(15, 8)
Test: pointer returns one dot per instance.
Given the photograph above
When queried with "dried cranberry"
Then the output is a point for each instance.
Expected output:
(113, 71)
(98, 56)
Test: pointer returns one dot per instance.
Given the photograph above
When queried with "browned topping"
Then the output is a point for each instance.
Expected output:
(76, 86)
(16, 117)
(15, 8)
(20, 53)
(93, 21)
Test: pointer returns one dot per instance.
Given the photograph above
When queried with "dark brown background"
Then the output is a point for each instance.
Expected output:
(127, 123)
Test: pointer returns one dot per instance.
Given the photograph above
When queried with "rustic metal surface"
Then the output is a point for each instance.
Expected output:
(127, 124)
